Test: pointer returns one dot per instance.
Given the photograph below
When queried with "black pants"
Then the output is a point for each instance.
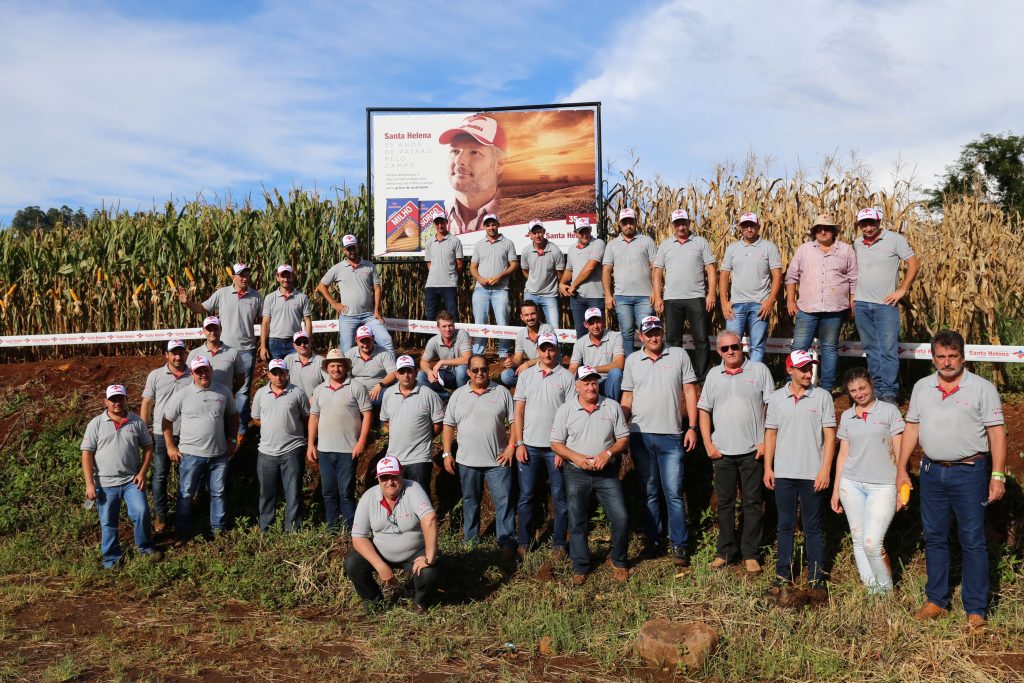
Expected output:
(360, 571)
(694, 311)
(748, 473)
(441, 299)
(421, 473)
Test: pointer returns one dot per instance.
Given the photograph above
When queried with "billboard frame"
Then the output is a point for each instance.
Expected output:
(370, 111)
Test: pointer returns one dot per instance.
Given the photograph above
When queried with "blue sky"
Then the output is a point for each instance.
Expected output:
(134, 103)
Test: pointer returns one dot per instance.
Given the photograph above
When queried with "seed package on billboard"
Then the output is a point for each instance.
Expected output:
(403, 225)
(429, 210)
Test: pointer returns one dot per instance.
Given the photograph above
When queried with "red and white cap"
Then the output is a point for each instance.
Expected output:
(593, 312)
(547, 338)
(680, 215)
(404, 362)
(651, 322)
(534, 224)
(277, 364)
(284, 268)
(301, 334)
(349, 241)
(362, 332)
(799, 359)
(388, 465)
(582, 223)
(116, 390)
(869, 215)
(483, 129)
(749, 217)
(586, 371)
(175, 344)
(199, 362)
(627, 213)
(490, 217)
(211, 320)
(239, 268)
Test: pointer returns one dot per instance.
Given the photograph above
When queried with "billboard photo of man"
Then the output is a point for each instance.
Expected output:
(476, 160)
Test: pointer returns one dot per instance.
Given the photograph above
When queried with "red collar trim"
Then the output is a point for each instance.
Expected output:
(733, 372)
(947, 394)
(384, 504)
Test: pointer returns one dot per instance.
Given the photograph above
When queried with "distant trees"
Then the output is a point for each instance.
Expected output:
(32, 217)
(992, 166)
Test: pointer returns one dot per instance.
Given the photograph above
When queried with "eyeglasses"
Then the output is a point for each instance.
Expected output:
(730, 347)
(301, 342)
(476, 370)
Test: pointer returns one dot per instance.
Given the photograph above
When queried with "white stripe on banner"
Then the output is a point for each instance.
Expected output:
(911, 350)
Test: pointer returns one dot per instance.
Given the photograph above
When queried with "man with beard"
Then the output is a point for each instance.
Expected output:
(476, 161)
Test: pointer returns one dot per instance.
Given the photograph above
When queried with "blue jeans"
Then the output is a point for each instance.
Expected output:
(193, 470)
(509, 378)
(499, 483)
(459, 375)
(347, 325)
(960, 491)
(610, 386)
(242, 403)
(630, 310)
(869, 510)
(161, 472)
(812, 505)
(579, 305)
(879, 329)
(108, 503)
(746, 322)
(495, 300)
(824, 326)
(659, 465)
(280, 347)
(338, 485)
(549, 305)
(286, 470)
(441, 299)
(579, 485)
(529, 472)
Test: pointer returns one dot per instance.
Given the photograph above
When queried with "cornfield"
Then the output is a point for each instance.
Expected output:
(118, 272)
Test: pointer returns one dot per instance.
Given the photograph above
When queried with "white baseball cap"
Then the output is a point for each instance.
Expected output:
(277, 364)
(547, 338)
(175, 344)
(534, 224)
(490, 217)
(627, 213)
(404, 362)
(749, 217)
(388, 465)
(798, 359)
(239, 268)
(211, 320)
(362, 332)
(585, 371)
(199, 362)
(349, 241)
(582, 223)
(301, 334)
(680, 215)
(651, 322)
(284, 268)
(116, 390)
(593, 312)
(869, 215)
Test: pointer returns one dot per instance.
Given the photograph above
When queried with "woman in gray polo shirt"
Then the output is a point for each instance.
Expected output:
(870, 434)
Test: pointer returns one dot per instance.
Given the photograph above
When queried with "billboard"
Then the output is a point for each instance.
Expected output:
(540, 162)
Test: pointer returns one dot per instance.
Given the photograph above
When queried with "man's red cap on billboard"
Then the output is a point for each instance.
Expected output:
(484, 130)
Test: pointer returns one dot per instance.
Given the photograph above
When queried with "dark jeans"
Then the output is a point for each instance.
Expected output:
(442, 299)
(161, 473)
(694, 311)
(360, 572)
(338, 485)
(960, 491)
(421, 473)
(578, 305)
(826, 327)
(747, 472)
(541, 460)
(579, 485)
(242, 396)
(280, 347)
(285, 470)
(659, 467)
(812, 505)
(499, 483)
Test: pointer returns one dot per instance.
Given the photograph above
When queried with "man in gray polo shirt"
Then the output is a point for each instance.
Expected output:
(359, 296)
(239, 307)
(445, 362)
(203, 448)
(541, 390)
(285, 312)
(581, 281)
(443, 256)
(684, 288)
(655, 382)
(480, 413)
(525, 355)
(412, 414)
(110, 456)
(603, 350)
(372, 367)
(494, 260)
(337, 441)
(305, 368)
(733, 400)
(542, 263)
(750, 283)
(957, 418)
(629, 260)
(589, 433)
(280, 409)
(160, 386)
(228, 368)
(799, 445)
(395, 526)
(877, 296)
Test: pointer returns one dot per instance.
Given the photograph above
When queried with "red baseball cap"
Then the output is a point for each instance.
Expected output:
(483, 129)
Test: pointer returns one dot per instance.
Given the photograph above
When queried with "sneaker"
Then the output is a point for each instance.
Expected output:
(753, 567)
(558, 554)
(578, 579)
(719, 563)
(620, 574)
(930, 611)
(681, 556)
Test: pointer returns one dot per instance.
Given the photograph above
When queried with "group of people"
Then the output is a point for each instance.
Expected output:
(571, 425)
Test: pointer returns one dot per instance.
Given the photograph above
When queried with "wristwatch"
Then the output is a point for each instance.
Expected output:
(445, 455)
(692, 427)
(520, 443)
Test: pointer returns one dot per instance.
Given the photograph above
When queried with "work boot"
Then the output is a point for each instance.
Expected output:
(620, 574)
(753, 567)
(558, 554)
(159, 525)
(976, 623)
(930, 611)
(578, 579)
(681, 556)
(719, 563)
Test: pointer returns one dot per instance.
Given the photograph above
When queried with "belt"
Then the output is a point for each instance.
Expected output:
(969, 460)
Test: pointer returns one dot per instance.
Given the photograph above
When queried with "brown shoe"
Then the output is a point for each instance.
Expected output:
(180, 543)
(620, 574)
(159, 525)
(976, 623)
(753, 567)
(719, 563)
(558, 554)
(578, 579)
(930, 611)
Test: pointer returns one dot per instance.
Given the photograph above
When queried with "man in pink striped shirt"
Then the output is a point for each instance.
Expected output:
(825, 272)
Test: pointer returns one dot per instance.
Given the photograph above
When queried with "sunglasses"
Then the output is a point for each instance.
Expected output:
(476, 370)
(407, 371)
(388, 477)
(301, 342)
(730, 347)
